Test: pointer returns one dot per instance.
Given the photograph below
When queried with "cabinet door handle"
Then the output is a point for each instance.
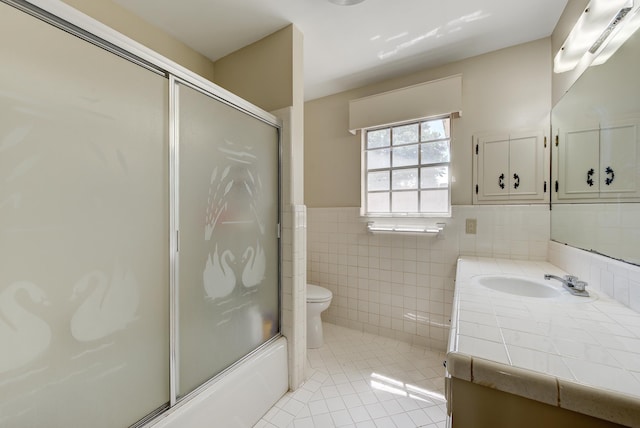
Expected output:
(590, 177)
(517, 181)
(610, 176)
(501, 181)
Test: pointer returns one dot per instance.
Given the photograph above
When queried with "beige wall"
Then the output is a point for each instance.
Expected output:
(125, 22)
(509, 89)
(269, 74)
(261, 72)
(562, 82)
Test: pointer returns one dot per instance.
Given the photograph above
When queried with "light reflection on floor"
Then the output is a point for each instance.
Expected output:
(361, 380)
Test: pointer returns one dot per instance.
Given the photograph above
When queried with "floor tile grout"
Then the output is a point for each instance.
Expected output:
(365, 381)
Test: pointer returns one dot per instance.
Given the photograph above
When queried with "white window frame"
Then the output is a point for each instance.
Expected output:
(365, 170)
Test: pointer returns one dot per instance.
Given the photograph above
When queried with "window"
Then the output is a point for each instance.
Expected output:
(406, 169)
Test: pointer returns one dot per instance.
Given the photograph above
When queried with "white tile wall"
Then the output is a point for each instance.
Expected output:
(294, 295)
(614, 227)
(402, 286)
(616, 279)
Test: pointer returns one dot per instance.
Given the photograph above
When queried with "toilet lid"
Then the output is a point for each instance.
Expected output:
(318, 294)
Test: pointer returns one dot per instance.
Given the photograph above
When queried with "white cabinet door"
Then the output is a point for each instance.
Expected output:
(493, 168)
(599, 162)
(509, 167)
(618, 161)
(579, 164)
(526, 166)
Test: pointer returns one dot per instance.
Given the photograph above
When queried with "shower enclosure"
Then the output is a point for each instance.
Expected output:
(139, 228)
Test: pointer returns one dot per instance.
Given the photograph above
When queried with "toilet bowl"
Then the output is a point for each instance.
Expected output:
(318, 300)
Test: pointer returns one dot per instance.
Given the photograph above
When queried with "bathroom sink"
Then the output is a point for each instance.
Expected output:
(519, 286)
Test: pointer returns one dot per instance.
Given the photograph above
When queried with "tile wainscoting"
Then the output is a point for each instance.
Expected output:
(294, 291)
(401, 286)
(618, 280)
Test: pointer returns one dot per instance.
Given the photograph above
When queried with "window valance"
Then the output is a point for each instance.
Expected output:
(429, 99)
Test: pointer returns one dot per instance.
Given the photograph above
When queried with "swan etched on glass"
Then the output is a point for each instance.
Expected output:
(24, 336)
(111, 304)
(254, 266)
(217, 202)
(233, 211)
(218, 276)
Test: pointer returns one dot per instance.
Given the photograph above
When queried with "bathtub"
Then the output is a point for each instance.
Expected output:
(239, 398)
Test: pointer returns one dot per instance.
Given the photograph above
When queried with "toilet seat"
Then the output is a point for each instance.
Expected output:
(316, 294)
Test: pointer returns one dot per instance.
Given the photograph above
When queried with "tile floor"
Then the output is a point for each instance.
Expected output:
(362, 380)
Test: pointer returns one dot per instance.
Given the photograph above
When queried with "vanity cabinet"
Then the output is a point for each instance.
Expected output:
(599, 163)
(509, 167)
(473, 405)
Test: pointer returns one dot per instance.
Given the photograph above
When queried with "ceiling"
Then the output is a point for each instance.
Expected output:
(351, 46)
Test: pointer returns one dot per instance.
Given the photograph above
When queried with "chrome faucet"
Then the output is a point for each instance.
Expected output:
(571, 283)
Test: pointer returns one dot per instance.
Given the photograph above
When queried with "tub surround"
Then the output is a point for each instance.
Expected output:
(238, 399)
(578, 354)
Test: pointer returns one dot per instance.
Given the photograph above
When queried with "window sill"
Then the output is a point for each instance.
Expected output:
(402, 217)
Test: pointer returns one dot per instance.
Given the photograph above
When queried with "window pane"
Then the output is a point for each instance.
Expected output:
(405, 179)
(434, 201)
(378, 159)
(405, 156)
(405, 202)
(405, 134)
(434, 177)
(379, 138)
(378, 202)
(378, 181)
(435, 152)
(435, 129)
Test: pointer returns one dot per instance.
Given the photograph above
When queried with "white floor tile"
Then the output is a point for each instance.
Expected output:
(345, 389)
(366, 424)
(392, 407)
(293, 406)
(282, 419)
(376, 410)
(352, 400)
(361, 380)
(419, 417)
(402, 420)
(303, 423)
(361, 385)
(367, 397)
(436, 413)
(302, 395)
(384, 423)
(341, 418)
(359, 414)
(323, 421)
(335, 404)
(329, 391)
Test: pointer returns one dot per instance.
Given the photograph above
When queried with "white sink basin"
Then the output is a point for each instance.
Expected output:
(519, 286)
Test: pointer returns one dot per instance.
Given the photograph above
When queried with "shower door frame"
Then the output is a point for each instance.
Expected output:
(66, 18)
(174, 235)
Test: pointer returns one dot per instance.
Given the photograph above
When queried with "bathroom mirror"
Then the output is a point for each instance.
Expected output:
(596, 158)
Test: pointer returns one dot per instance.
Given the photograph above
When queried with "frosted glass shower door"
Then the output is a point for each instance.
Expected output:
(228, 253)
(84, 232)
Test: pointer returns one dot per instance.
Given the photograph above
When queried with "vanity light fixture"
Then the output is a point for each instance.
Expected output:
(601, 21)
(630, 26)
(346, 2)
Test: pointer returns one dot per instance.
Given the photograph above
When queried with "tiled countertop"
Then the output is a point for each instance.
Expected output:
(582, 354)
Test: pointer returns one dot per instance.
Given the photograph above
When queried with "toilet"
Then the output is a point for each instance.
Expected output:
(318, 300)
